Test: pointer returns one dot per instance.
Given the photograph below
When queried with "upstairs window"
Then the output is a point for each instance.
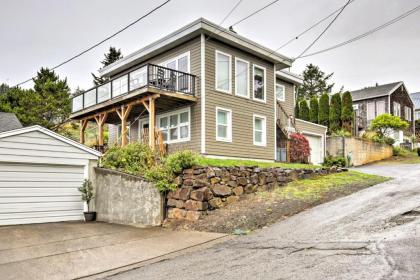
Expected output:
(370, 111)
(223, 72)
(407, 112)
(259, 83)
(259, 130)
(380, 108)
(241, 78)
(280, 92)
(417, 115)
(179, 63)
(223, 125)
(397, 109)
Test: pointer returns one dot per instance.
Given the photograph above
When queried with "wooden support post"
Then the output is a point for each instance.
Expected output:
(100, 120)
(83, 124)
(152, 116)
(123, 114)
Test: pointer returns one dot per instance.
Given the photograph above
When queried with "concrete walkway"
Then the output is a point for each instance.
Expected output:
(74, 250)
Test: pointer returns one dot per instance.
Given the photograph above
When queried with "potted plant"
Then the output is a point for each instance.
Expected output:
(87, 195)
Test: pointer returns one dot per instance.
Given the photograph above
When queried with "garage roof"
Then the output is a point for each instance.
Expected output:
(52, 134)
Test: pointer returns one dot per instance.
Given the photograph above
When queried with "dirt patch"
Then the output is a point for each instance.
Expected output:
(254, 211)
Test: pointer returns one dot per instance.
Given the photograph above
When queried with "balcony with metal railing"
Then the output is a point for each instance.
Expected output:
(148, 76)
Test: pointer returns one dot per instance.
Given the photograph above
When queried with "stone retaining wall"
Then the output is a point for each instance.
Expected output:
(207, 188)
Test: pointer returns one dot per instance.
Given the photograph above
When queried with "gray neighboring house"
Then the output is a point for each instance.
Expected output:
(392, 98)
(415, 96)
(9, 121)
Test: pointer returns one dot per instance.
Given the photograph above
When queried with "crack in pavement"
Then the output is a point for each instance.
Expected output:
(388, 260)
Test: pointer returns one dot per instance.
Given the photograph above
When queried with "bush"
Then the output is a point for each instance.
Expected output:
(299, 148)
(385, 124)
(313, 111)
(347, 111)
(161, 176)
(335, 113)
(324, 109)
(334, 161)
(303, 110)
(342, 133)
(180, 160)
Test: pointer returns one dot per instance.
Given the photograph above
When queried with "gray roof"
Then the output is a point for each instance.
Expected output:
(375, 91)
(416, 99)
(9, 121)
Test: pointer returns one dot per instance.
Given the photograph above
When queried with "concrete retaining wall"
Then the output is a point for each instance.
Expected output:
(126, 199)
(361, 151)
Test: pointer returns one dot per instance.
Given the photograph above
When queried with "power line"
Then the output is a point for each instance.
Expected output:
(363, 35)
(325, 30)
(230, 12)
(102, 41)
(311, 27)
(256, 12)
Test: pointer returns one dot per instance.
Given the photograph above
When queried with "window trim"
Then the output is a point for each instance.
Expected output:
(247, 96)
(377, 106)
(264, 130)
(407, 113)
(178, 113)
(284, 91)
(229, 91)
(175, 58)
(229, 126)
(393, 108)
(253, 83)
(367, 110)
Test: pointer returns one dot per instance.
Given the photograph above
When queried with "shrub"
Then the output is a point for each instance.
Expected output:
(161, 176)
(314, 108)
(87, 192)
(398, 151)
(334, 161)
(384, 124)
(133, 158)
(303, 110)
(335, 113)
(299, 148)
(324, 109)
(347, 111)
(180, 160)
(342, 133)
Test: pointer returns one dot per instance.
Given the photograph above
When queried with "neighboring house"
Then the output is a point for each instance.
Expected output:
(9, 121)
(203, 88)
(416, 100)
(392, 98)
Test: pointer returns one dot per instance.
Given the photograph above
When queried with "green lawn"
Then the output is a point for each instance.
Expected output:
(406, 157)
(233, 162)
(313, 189)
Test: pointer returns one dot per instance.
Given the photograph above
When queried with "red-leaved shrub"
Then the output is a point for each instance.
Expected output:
(299, 148)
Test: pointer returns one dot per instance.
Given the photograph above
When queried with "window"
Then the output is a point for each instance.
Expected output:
(370, 110)
(179, 63)
(175, 126)
(223, 125)
(380, 108)
(258, 83)
(417, 115)
(241, 78)
(223, 72)
(280, 92)
(407, 113)
(397, 109)
(259, 130)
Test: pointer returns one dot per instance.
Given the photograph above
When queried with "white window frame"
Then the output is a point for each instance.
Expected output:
(264, 130)
(229, 125)
(229, 91)
(377, 106)
(416, 115)
(367, 110)
(407, 113)
(178, 113)
(265, 83)
(394, 104)
(284, 91)
(176, 58)
(237, 59)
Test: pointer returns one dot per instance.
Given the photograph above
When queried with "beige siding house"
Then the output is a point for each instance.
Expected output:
(202, 88)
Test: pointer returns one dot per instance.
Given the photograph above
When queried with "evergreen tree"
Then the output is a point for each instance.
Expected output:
(314, 110)
(110, 57)
(315, 82)
(297, 109)
(347, 114)
(335, 113)
(324, 109)
(304, 110)
(4, 88)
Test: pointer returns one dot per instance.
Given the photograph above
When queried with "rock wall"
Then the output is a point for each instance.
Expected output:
(126, 199)
(204, 189)
(360, 151)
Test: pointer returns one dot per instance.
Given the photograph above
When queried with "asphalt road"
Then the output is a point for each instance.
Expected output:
(372, 234)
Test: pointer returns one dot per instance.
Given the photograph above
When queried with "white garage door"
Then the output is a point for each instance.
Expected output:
(315, 142)
(35, 193)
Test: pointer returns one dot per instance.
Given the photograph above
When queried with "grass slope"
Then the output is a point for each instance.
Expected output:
(235, 162)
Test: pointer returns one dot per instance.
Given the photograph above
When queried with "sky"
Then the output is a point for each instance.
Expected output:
(43, 33)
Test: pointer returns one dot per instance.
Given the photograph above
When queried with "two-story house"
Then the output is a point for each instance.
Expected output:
(202, 88)
(392, 98)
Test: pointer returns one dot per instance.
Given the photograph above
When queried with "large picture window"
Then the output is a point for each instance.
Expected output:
(241, 77)
(259, 130)
(223, 72)
(258, 83)
(175, 126)
(223, 124)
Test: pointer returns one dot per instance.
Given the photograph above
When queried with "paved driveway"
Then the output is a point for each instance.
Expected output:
(372, 234)
(72, 250)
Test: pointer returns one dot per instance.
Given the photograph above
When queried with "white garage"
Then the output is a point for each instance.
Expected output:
(317, 147)
(40, 172)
